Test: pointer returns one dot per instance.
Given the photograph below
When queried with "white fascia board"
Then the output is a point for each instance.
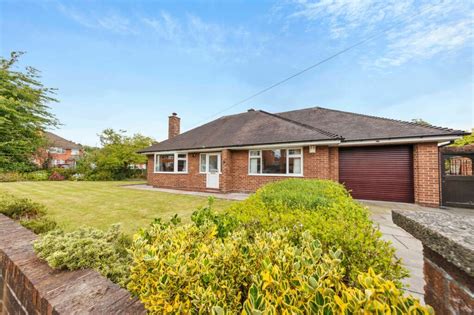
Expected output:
(399, 141)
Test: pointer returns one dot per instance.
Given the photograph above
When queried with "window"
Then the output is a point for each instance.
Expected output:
(56, 150)
(276, 162)
(210, 163)
(74, 152)
(171, 163)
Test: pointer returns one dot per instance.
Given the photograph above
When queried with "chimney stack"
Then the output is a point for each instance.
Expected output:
(173, 125)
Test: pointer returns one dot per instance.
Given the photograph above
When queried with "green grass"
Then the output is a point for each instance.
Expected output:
(100, 204)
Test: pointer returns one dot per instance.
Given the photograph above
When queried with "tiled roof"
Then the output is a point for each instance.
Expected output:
(59, 142)
(257, 127)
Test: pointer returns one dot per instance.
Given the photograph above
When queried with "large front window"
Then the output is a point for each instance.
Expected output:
(171, 163)
(276, 162)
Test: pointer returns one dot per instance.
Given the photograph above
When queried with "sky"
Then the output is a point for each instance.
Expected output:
(129, 64)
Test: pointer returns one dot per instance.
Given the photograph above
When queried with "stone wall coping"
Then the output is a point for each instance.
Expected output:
(38, 288)
(449, 235)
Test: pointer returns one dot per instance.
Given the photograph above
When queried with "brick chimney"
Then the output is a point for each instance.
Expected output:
(173, 125)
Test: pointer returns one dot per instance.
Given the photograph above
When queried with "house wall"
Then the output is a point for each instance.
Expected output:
(324, 164)
(426, 173)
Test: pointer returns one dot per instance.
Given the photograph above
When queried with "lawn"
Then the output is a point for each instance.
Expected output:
(100, 204)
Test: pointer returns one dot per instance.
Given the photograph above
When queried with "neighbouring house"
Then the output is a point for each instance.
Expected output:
(376, 158)
(59, 152)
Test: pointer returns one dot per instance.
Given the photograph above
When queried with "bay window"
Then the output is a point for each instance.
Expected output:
(276, 162)
(171, 163)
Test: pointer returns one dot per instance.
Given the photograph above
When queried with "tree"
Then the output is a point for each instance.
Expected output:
(24, 114)
(420, 121)
(117, 154)
(467, 139)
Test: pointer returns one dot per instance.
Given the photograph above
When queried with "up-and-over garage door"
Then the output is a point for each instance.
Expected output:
(378, 173)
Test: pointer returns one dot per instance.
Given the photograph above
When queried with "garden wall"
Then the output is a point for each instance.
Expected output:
(29, 286)
(448, 253)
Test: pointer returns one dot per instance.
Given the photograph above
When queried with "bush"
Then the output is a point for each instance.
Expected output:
(78, 177)
(106, 252)
(55, 176)
(67, 173)
(37, 175)
(11, 177)
(327, 210)
(191, 269)
(39, 225)
(20, 208)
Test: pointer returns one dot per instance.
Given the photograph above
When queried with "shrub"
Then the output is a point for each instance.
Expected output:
(106, 252)
(37, 175)
(190, 269)
(224, 223)
(39, 225)
(67, 173)
(78, 177)
(11, 177)
(327, 210)
(20, 208)
(55, 176)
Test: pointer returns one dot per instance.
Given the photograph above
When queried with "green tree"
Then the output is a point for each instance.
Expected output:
(116, 156)
(420, 121)
(467, 139)
(24, 114)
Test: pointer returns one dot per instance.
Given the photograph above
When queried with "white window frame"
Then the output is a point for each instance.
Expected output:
(207, 162)
(74, 151)
(57, 150)
(288, 156)
(175, 163)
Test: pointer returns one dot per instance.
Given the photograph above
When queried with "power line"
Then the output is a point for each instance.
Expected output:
(376, 35)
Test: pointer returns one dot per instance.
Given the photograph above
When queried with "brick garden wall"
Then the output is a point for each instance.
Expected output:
(426, 173)
(448, 289)
(29, 286)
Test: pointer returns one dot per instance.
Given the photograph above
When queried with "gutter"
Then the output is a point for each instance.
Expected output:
(399, 141)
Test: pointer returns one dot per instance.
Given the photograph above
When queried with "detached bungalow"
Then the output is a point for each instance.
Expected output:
(376, 158)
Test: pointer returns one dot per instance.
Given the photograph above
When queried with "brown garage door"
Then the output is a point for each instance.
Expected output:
(378, 173)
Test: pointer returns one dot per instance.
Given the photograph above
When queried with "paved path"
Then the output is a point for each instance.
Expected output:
(229, 196)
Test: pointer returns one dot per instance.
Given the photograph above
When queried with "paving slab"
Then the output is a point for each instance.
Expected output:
(227, 196)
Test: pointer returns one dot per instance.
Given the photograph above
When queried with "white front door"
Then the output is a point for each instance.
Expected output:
(213, 169)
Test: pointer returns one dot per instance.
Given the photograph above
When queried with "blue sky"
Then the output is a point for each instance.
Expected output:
(129, 64)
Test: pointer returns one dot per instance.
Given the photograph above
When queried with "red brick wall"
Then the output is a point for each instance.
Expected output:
(190, 181)
(448, 289)
(234, 169)
(426, 173)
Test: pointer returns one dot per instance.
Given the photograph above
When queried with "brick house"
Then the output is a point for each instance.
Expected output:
(376, 158)
(59, 152)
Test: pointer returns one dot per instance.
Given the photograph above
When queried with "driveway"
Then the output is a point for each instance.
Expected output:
(408, 248)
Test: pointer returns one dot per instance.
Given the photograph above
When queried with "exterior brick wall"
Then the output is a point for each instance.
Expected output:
(29, 286)
(426, 173)
(234, 171)
(448, 289)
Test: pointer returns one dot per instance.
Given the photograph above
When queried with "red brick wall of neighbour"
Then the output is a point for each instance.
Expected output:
(234, 169)
(426, 172)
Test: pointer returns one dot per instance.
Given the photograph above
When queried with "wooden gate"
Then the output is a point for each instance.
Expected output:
(457, 178)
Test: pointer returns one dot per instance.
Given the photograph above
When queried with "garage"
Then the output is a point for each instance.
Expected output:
(378, 173)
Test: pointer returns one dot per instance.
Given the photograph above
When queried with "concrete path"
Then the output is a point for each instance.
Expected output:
(229, 196)
(408, 248)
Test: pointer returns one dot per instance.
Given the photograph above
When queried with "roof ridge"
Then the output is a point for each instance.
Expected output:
(384, 118)
(327, 133)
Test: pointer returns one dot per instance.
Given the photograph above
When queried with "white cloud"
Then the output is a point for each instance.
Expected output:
(111, 22)
(193, 35)
(421, 29)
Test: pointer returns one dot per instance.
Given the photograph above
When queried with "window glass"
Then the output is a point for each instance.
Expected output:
(254, 165)
(202, 167)
(181, 165)
(254, 153)
(166, 162)
(294, 152)
(274, 161)
(182, 156)
(294, 165)
(213, 163)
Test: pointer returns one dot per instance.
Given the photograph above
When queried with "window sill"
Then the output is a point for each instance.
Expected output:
(277, 175)
(174, 173)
